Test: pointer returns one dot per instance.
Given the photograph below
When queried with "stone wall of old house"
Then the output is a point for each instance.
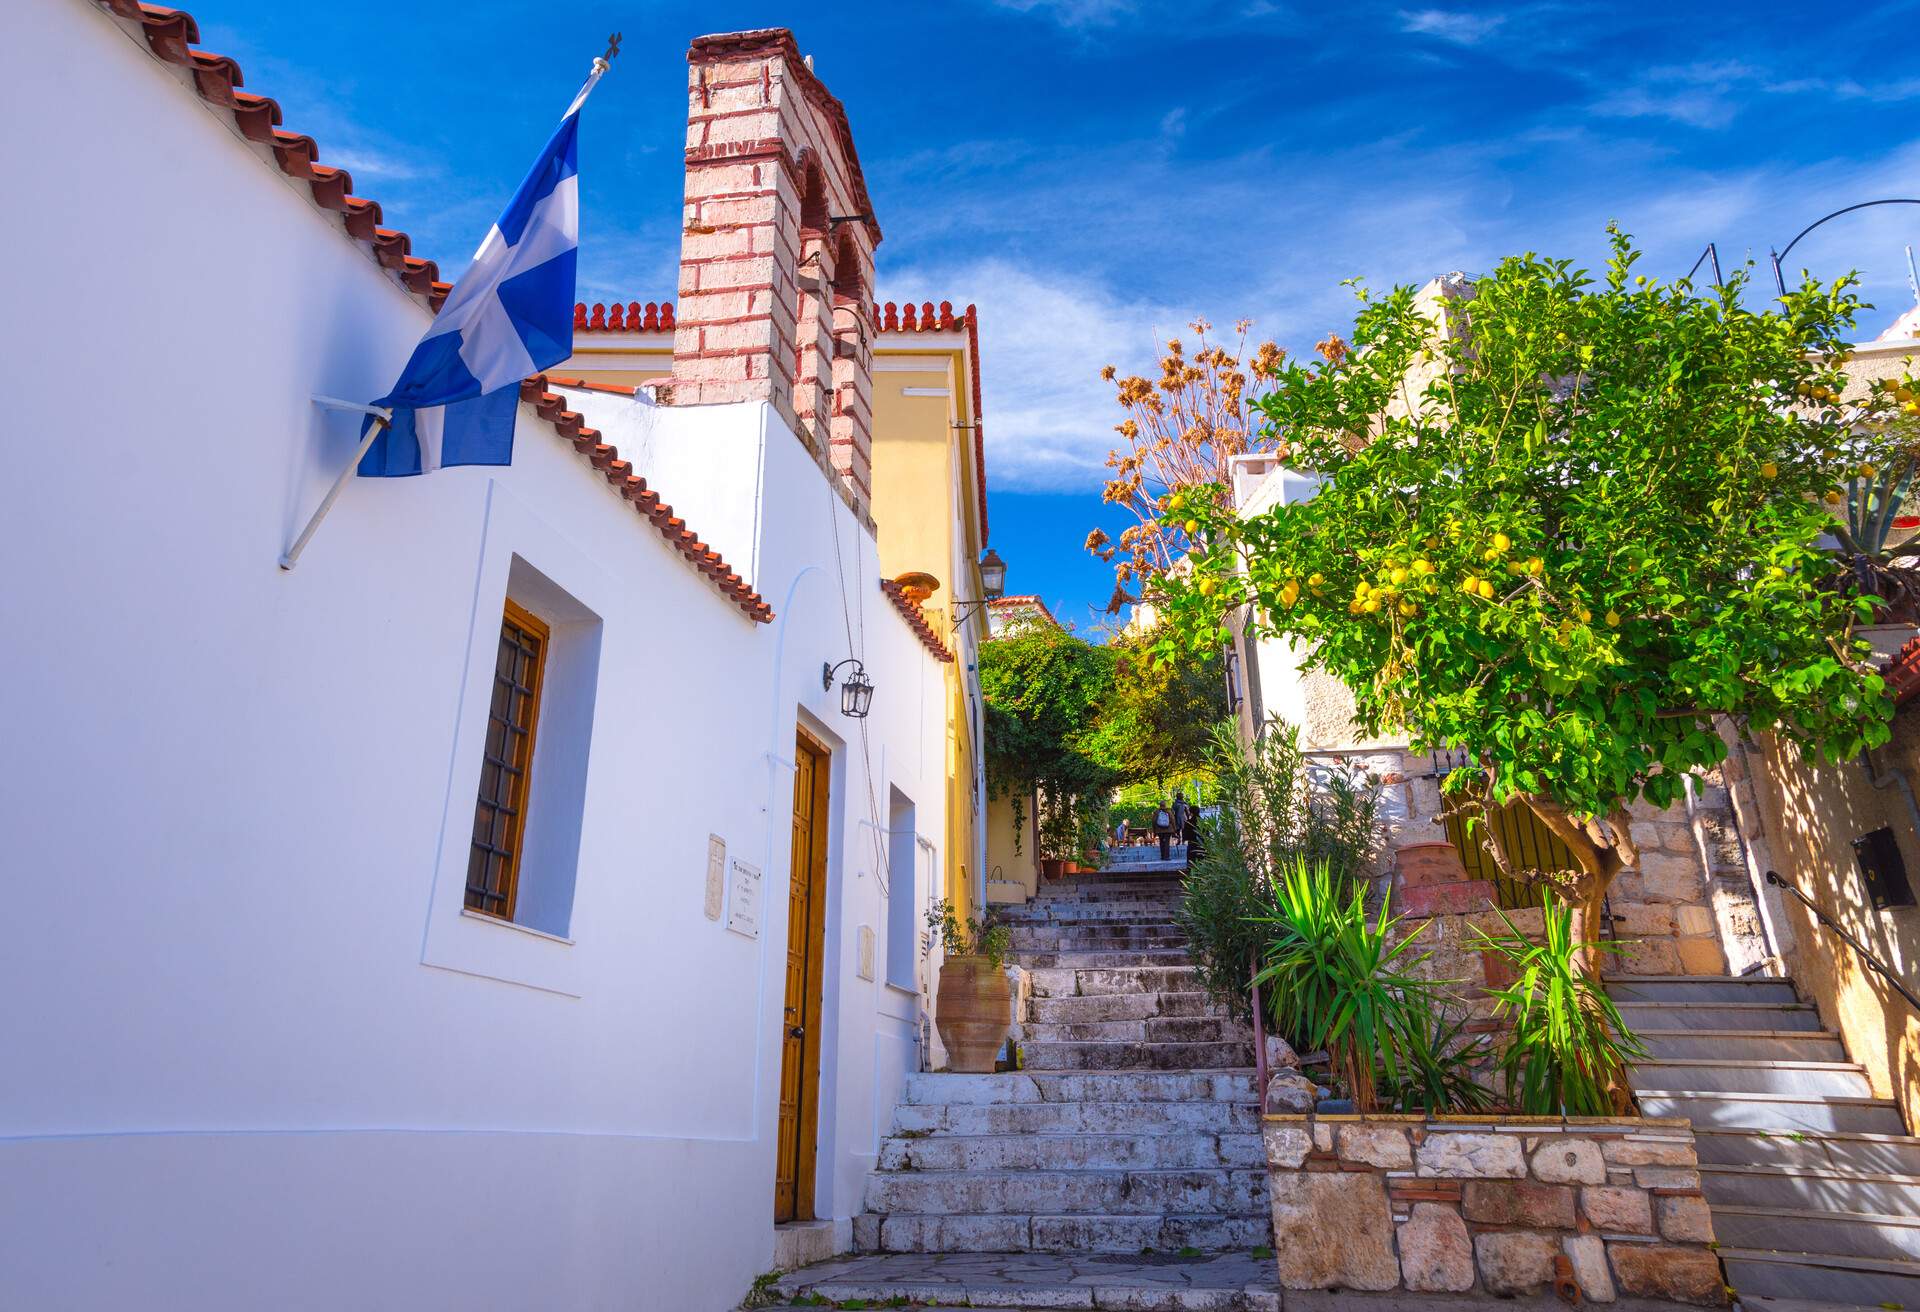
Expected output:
(1593, 1208)
(1687, 909)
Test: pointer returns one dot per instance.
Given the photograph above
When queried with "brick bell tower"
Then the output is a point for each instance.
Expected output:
(776, 252)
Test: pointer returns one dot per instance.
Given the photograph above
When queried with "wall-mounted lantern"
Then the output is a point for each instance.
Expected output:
(856, 694)
(993, 582)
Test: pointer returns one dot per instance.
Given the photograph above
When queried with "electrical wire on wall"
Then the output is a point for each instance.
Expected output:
(883, 873)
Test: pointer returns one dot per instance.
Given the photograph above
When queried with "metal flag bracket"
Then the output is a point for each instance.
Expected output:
(382, 416)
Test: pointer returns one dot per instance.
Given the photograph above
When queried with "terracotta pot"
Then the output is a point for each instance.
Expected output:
(1069, 867)
(1050, 867)
(974, 1011)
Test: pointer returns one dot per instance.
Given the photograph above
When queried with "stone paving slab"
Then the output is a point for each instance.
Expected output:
(1231, 1282)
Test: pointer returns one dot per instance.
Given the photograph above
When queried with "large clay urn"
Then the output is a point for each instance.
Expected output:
(975, 1012)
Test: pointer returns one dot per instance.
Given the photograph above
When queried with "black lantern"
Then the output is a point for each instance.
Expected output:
(993, 574)
(856, 694)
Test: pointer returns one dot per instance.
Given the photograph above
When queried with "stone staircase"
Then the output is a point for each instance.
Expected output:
(1813, 1183)
(1131, 1125)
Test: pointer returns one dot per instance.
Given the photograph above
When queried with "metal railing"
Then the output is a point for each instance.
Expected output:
(1874, 963)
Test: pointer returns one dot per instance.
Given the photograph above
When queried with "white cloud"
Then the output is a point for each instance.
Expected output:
(1447, 25)
(1075, 13)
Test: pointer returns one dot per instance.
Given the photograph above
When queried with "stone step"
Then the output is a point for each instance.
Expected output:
(1699, 1074)
(1078, 1152)
(924, 1088)
(1651, 1017)
(1830, 1277)
(1075, 1233)
(1700, 989)
(1136, 1118)
(1067, 982)
(1825, 1189)
(1887, 1154)
(1221, 1282)
(1153, 1029)
(1099, 938)
(1773, 1111)
(1120, 1007)
(1810, 1230)
(1076, 959)
(1142, 1192)
(1134, 1056)
(1777, 1045)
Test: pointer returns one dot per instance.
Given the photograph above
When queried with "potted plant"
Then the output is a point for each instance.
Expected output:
(1056, 837)
(974, 1007)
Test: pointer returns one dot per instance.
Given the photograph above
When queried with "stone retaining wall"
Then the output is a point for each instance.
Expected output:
(1491, 1204)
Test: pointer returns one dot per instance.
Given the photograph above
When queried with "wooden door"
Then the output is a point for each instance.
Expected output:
(806, 926)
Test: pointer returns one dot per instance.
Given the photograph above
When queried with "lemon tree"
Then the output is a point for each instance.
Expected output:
(1566, 522)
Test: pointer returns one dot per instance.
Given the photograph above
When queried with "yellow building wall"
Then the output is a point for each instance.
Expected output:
(1013, 857)
(1811, 815)
(923, 506)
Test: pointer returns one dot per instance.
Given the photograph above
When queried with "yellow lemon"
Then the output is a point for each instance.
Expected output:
(1903, 394)
(1423, 567)
(1769, 470)
(1208, 587)
(1362, 588)
(1586, 616)
(1370, 605)
(1316, 581)
(1868, 470)
(1910, 407)
(1192, 526)
(1613, 619)
(1833, 496)
(1486, 589)
(1353, 607)
(1398, 577)
(1535, 565)
(1490, 554)
(1433, 544)
(1775, 572)
(1501, 542)
(1469, 584)
(1407, 608)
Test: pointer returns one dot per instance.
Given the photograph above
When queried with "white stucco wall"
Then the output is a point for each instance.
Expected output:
(256, 1055)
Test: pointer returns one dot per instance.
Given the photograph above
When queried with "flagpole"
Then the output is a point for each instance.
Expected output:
(382, 418)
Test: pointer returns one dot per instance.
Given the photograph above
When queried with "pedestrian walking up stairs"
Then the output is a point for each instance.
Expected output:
(1132, 1124)
(1813, 1184)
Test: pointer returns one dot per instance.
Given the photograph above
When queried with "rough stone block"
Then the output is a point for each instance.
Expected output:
(1687, 1220)
(1618, 1209)
(1289, 1093)
(1671, 878)
(1375, 1145)
(1651, 956)
(1287, 1145)
(1588, 1254)
(1701, 956)
(1436, 1255)
(1648, 1152)
(1692, 921)
(1333, 1230)
(1515, 1261)
(1686, 1275)
(1518, 1202)
(1642, 920)
(1471, 1156)
(1667, 1177)
(1569, 1161)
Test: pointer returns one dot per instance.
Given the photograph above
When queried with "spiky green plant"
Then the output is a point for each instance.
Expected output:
(1568, 1048)
(1344, 980)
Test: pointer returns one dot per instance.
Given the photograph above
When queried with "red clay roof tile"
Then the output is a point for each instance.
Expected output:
(915, 620)
(552, 407)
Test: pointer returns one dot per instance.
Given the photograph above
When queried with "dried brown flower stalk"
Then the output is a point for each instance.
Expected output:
(1179, 432)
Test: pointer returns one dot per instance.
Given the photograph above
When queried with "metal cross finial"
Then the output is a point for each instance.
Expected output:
(613, 47)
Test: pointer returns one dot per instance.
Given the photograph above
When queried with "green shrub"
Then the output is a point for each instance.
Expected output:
(969, 938)
(1274, 810)
(1568, 1050)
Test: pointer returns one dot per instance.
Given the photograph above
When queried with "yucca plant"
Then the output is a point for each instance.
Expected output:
(1341, 979)
(1443, 1075)
(1568, 1050)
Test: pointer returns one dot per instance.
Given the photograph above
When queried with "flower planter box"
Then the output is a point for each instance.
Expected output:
(1499, 1205)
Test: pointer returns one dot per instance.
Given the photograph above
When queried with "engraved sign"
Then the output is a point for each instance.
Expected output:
(743, 909)
(866, 952)
(716, 875)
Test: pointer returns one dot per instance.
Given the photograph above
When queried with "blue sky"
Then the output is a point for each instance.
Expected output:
(1095, 173)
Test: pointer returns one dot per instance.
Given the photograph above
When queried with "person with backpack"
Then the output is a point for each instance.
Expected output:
(1163, 830)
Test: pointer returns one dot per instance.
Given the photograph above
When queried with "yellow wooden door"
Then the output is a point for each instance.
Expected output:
(800, 1045)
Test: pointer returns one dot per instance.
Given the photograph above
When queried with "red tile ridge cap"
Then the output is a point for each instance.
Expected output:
(916, 620)
(169, 35)
(552, 407)
(582, 385)
(1902, 672)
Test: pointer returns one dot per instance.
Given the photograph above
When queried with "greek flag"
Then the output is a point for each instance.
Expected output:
(509, 317)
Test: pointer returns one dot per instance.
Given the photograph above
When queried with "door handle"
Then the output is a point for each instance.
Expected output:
(796, 1031)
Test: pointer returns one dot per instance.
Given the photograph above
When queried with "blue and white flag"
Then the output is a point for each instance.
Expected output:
(509, 316)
